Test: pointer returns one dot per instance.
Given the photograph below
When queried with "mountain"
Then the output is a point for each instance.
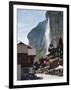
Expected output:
(56, 25)
(49, 30)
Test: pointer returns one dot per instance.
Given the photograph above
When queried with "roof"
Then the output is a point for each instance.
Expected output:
(21, 43)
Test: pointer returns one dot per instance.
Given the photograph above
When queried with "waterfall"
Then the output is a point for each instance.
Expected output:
(47, 36)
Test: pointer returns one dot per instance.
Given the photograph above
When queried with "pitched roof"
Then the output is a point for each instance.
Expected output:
(21, 43)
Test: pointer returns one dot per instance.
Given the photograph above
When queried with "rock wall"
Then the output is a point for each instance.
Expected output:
(56, 25)
(50, 30)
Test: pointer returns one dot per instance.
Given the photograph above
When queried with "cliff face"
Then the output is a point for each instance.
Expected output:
(37, 38)
(56, 25)
(49, 30)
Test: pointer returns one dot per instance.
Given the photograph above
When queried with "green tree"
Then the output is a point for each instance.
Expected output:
(37, 58)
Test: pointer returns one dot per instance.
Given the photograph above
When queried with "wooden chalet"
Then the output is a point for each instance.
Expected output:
(25, 55)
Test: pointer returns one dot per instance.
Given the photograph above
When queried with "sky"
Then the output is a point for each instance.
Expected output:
(26, 21)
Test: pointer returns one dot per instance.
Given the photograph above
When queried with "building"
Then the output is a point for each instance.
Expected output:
(25, 59)
(25, 55)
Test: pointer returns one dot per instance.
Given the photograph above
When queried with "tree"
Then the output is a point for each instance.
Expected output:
(37, 57)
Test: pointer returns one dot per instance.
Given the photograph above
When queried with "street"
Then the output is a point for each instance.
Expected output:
(44, 76)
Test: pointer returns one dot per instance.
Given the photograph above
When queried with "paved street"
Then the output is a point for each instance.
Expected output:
(44, 76)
